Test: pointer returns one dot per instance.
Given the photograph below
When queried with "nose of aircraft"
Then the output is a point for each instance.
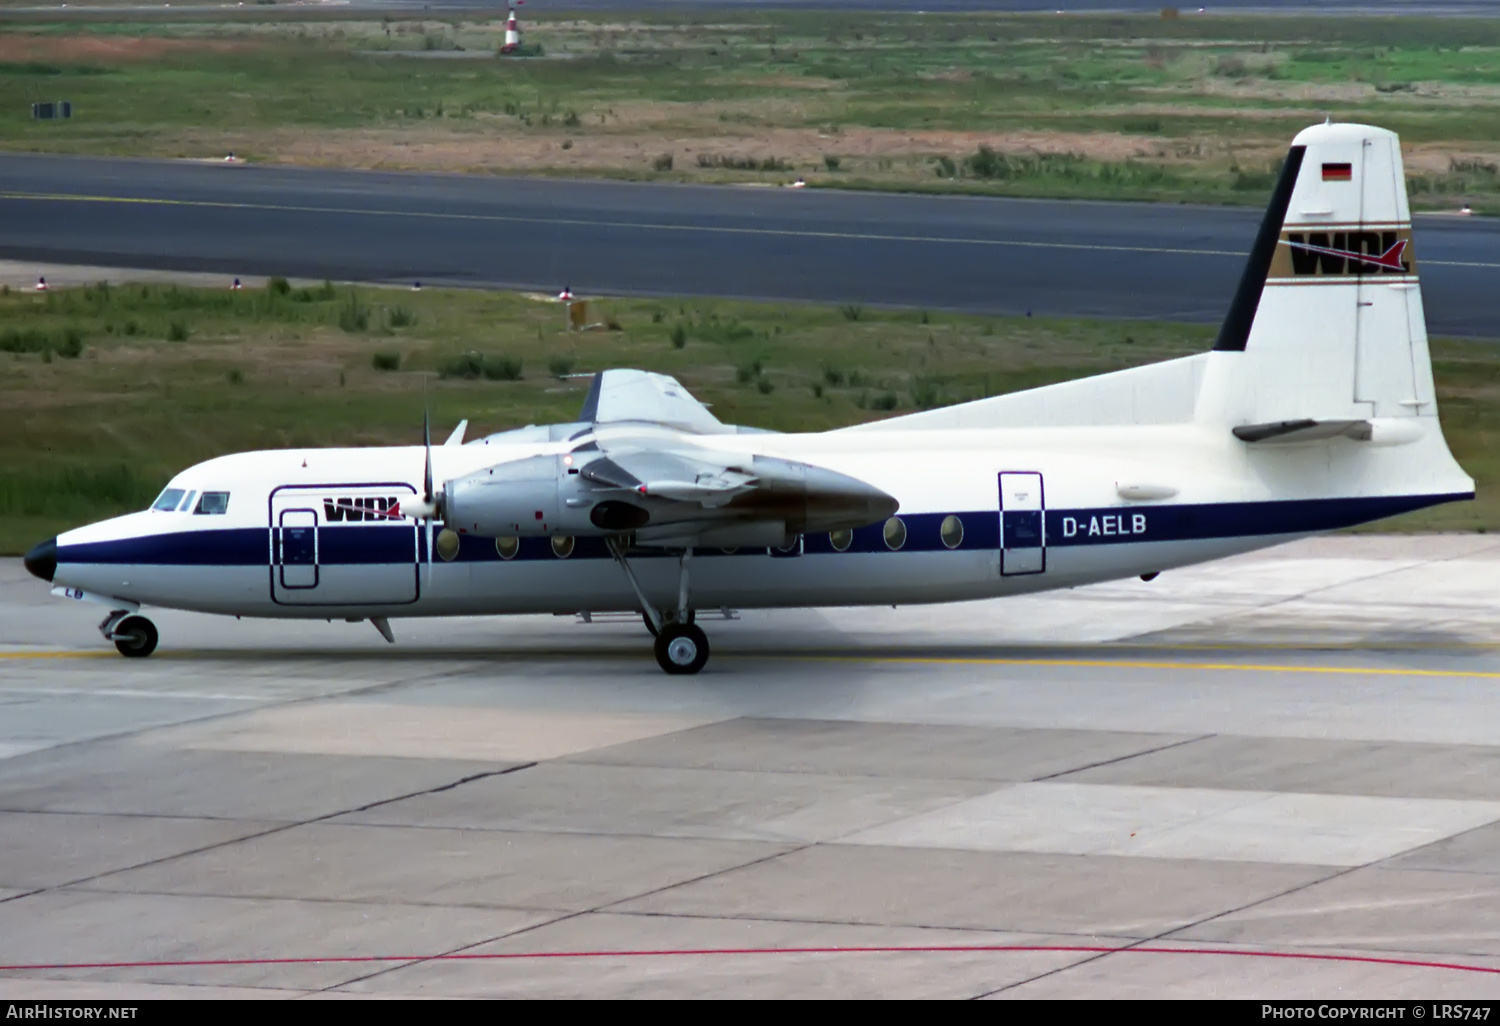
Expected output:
(42, 559)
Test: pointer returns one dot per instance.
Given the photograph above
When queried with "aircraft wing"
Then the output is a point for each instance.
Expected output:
(679, 494)
(622, 396)
(662, 489)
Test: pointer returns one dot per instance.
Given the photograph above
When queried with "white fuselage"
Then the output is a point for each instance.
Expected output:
(1039, 508)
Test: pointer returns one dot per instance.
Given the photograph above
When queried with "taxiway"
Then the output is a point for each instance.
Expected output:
(981, 255)
(1278, 776)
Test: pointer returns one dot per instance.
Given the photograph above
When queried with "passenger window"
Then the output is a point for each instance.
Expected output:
(213, 503)
(167, 501)
(952, 532)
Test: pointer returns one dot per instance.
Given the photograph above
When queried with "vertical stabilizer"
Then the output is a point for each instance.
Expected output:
(1327, 323)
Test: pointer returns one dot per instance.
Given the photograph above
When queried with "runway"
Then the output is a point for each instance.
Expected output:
(953, 253)
(1275, 777)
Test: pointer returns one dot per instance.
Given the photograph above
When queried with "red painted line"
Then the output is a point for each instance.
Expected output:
(684, 952)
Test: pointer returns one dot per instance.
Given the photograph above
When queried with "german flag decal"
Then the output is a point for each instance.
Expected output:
(1338, 172)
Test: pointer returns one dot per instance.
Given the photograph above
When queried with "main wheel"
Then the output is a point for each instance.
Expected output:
(135, 637)
(682, 648)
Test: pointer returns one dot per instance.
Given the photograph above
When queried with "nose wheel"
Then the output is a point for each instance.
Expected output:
(135, 637)
(681, 648)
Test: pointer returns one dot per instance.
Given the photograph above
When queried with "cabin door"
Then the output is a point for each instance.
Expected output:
(343, 545)
(296, 544)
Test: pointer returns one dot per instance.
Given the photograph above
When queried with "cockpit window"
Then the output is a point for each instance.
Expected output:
(167, 501)
(187, 503)
(213, 503)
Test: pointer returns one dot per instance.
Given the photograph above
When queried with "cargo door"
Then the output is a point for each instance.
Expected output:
(1023, 532)
(343, 545)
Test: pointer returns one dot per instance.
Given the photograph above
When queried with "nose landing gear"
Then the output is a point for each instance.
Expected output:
(134, 636)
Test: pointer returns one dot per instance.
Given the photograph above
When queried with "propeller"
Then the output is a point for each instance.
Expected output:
(427, 508)
(427, 496)
(428, 499)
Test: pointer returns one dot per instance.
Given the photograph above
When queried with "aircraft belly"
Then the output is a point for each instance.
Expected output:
(739, 582)
(1072, 567)
(754, 582)
(235, 590)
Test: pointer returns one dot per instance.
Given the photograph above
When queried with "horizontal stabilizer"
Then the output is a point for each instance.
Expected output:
(1376, 431)
(1304, 430)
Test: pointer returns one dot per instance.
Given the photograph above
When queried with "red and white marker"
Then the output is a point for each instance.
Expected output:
(512, 34)
(236, 286)
(566, 294)
(41, 284)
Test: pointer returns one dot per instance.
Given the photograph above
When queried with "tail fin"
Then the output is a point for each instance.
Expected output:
(1327, 324)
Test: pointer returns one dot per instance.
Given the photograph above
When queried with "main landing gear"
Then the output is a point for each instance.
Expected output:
(681, 645)
(682, 648)
(134, 636)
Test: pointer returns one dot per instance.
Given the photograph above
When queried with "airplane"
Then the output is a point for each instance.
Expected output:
(1313, 411)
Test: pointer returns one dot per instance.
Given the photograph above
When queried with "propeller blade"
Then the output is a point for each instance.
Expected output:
(427, 467)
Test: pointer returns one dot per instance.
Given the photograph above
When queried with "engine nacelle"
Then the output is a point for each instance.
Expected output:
(535, 497)
(659, 494)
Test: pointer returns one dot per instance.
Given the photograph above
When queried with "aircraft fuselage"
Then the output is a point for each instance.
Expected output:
(312, 533)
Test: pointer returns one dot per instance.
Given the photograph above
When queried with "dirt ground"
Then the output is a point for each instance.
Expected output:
(86, 48)
(496, 147)
(867, 152)
(633, 136)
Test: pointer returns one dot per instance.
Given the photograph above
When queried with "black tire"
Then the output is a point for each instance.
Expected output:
(682, 648)
(692, 615)
(135, 637)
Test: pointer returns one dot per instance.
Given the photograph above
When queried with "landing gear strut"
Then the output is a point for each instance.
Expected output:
(681, 645)
(134, 636)
(646, 619)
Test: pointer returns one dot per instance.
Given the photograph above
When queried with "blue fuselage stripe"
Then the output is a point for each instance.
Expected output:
(384, 544)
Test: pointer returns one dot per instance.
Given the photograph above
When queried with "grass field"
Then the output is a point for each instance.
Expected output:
(1198, 107)
(109, 391)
